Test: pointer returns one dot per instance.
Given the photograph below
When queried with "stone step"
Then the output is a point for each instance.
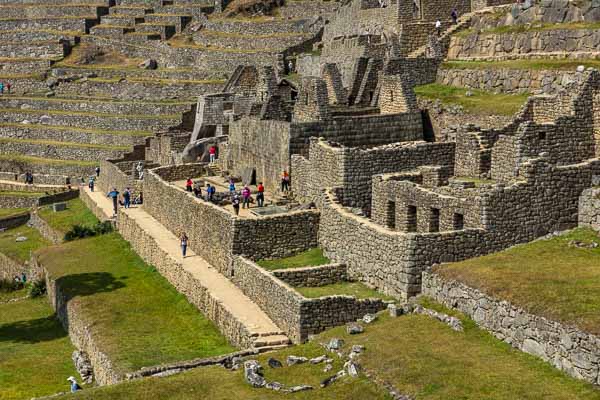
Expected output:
(52, 11)
(166, 31)
(94, 105)
(24, 65)
(179, 21)
(86, 119)
(62, 133)
(132, 11)
(60, 150)
(110, 30)
(126, 21)
(41, 49)
(271, 340)
(80, 23)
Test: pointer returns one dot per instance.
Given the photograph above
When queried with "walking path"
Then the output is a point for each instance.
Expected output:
(220, 288)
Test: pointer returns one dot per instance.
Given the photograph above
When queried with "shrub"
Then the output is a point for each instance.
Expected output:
(37, 288)
(9, 285)
(82, 231)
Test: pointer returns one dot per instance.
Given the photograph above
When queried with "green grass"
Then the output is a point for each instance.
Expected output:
(21, 251)
(9, 193)
(532, 64)
(418, 355)
(35, 351)
(45, 161)
(356, 289)
(307, 258)
(64, 144)
(532, 28)
(136, 317)
(75, 214)
(480, 103)
(9, 212)
(547, 278)
(13, 294)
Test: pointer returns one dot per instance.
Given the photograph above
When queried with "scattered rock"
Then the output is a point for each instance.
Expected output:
(299, 388)
(318, 360)
(368, 318)
(253, 374)
(276, 386)
(45, 119)
(148, 64)
(394, 311)
(468, 93)
(328, 381)
(25, 122)
(293, 360)
(21, 239)
(274, 363)
(328, 368)
(354, 329)
(352, 368)
(583, 245)
(236, 363)
(357, 348)
(335, 344)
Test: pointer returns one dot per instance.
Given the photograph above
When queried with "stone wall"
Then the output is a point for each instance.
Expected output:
(313, 276)
(562, 43)
(28, 201)
(10, 268)
(145, 245)
(51, 234)
(589, 208)
(507, 80)
(14, 221)
(565, 347)
(59, 151)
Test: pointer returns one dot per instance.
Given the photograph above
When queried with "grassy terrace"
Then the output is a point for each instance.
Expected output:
(35, 351)
(9, 212)
(432, 365)
(480, 103)
(534, 64)
(251, 36)
(549, 278)
(139, 318)
(21, 251)
(356, 289)
(75, 129)
(34, 76)
(9, 193)
(45, 161)
(533, 27)
(307, 258)
(64, 144)
(75, 214)
(88, 113)
(79, 99)
(158, 81)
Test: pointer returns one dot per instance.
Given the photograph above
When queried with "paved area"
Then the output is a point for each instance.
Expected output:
(232, 298)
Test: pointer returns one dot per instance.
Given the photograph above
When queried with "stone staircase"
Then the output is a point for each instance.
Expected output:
(443, 41)
(139, 20)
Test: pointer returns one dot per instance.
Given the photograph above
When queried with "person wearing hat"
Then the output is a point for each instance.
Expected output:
(74, 385)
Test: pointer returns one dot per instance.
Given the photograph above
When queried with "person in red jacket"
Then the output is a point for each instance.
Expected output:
(212, 152)
(260, 197)
(188, 184)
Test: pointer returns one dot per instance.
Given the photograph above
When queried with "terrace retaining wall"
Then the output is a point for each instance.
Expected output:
(313, 276)
(589, 208)
(565, 347)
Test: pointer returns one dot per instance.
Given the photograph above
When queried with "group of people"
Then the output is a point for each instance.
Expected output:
(126, 198)
(438, 23)
(245, 196)
(28, 178)
(196, 188)
(5, 86)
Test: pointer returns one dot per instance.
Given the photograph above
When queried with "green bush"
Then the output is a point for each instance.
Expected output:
(82, 231)
(37, 288)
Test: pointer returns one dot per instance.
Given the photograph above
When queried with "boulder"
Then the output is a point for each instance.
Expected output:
(354, 329)
(293, 360)
(148, 64)
(253, 374)
(274, 363)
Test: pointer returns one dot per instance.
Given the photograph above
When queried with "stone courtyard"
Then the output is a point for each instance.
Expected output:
(393, 142)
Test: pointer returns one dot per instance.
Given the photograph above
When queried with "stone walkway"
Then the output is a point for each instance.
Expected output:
(232, 298)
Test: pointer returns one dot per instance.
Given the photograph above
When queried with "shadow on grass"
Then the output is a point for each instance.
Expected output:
(88, 284)
(32, 331)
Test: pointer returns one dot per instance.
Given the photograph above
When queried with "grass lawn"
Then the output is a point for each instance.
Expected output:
(35, 351)
(428, 361)
(139, 319)
(356, 289)
(13, 294)
(312, 257)
(21, 251)
(480, 103)
(535, 64)
(548, 278)
(76, 214)
(9, 212)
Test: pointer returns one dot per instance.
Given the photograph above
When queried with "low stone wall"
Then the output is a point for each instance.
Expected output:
(589, 209)
(60, 151)
(71, 317)
(45, 229)
(298, 316)
(144, 245)
(10, 268)
(26, 201)
(313, 276)
(507, 80)
(14, 220)
(93, 206)
(111, 175)
(565, 347)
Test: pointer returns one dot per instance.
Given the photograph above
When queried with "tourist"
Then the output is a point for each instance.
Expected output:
(23, 278)
(197, 190)
(246, 197)
(183, 239)
(212, 152)
(91, 183)
(454, 16)
(97, 172)
(438, 27)
(8, 87)
(188, 185)
(231, 186)
(210, 192)
(114, 195)
(236, 203)
(290, 67)
(68, 182)
(285, 182)
(260, 197)
(127, 198)
(74, 385)
(1, 88)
